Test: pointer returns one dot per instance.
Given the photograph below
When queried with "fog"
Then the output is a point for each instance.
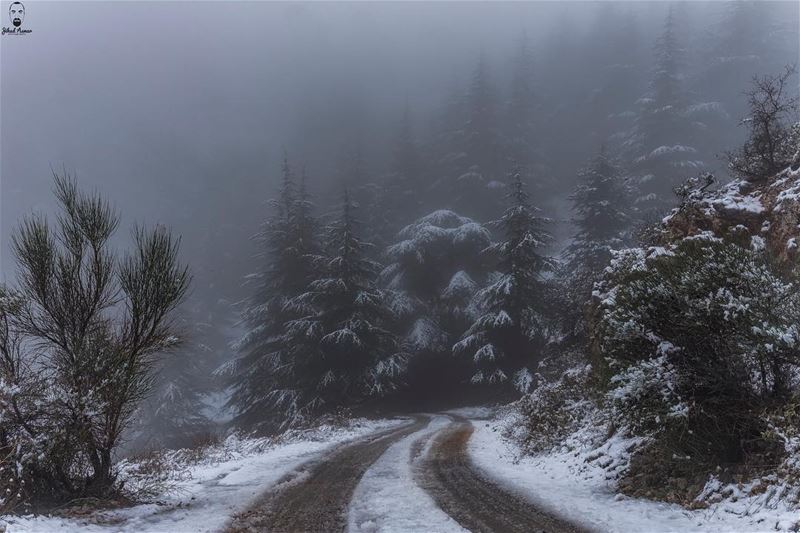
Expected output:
(180, 113)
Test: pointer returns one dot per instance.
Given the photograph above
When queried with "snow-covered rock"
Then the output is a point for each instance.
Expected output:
(764, 213)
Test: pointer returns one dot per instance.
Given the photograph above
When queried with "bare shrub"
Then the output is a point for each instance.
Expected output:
(553, 411)
(149, 475)
(773, 143)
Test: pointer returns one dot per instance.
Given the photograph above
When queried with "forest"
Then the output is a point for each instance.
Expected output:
(544, 240)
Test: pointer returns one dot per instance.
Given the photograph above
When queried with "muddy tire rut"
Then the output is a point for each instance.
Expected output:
(315, 497)
(476, 503)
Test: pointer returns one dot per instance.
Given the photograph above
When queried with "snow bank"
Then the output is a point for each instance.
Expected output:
(388, 500)
(206, 494)
(738, 202)
(575, 485)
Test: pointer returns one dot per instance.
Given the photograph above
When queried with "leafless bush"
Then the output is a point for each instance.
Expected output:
(773, 143)
(199, 446)
(150, 475)
(553, 411)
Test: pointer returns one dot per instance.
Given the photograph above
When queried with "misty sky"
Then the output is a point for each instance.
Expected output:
(179, 112)
(140, 98)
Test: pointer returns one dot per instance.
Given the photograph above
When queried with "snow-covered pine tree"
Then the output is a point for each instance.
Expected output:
(174, 412)
(664, 142)
(436, 269)
(617, 73)
(172, 417)
(600, 206)
(600, 203)
(744, 41)
(471, 151)
(341, 349)
(505, 340)
(288, 244)
(696, 341)
(374, 195)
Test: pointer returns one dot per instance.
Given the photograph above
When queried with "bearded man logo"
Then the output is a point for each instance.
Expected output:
(16, 12)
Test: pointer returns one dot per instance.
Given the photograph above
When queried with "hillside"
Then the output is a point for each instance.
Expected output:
(763, 214)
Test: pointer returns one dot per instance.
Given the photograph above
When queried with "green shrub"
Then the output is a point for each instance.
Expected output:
(699, 340)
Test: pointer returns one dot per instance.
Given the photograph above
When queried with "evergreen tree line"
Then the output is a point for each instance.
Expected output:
(452, 288)
(651, 119)
(456, 308)
(664, 100)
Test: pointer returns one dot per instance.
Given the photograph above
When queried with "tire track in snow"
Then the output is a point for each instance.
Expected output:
(476, 503)
(315, 497)
(387, 499)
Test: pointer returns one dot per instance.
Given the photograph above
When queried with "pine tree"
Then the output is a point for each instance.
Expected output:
(304, 228)
(341, 350)
(618, 76)
(401, 194)
(741, 46)
(352, 167)
(374, 196)
(450, 123)
(600, 204)
(505, 340)
(561, 93)
(288, 241)
(470, 166)
(666, 84)
(436, 269)
(79, 340)
(173, 414)
(663, 143)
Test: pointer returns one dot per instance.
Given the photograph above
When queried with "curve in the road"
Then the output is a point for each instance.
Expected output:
(476, 503)
(315, 498)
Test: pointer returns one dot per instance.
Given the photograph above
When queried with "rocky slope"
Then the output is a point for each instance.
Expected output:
(759, 214)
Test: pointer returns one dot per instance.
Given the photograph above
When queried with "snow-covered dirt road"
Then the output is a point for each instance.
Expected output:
(477, 503)
(316, 496)
(414, 478)
(444, 473)
(203, 493)
(388, 498)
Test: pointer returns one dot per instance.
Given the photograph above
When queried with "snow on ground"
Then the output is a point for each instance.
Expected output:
(388, 500)
(566, 484)
(207, 494)
(736, 202)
